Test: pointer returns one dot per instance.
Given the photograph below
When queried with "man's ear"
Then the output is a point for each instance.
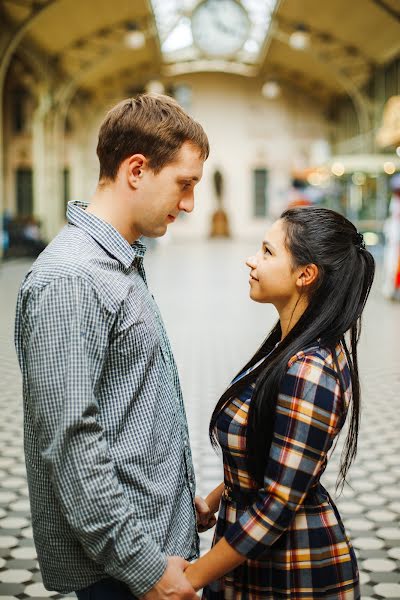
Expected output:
(307, 276)
(135, 167)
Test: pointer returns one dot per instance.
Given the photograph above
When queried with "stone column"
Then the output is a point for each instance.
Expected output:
(47, 168)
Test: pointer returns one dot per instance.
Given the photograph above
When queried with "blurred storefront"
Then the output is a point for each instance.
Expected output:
(357, 185)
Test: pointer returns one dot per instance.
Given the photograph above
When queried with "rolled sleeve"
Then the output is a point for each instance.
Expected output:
(67, 335)
(308, 414)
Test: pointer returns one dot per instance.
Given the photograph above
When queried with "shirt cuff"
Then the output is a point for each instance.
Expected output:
(150, 574)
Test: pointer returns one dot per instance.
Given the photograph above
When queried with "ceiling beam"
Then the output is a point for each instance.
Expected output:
(391, 11)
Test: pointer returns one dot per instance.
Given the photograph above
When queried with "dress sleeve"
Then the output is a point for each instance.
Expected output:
(308, 417)
(66, 340)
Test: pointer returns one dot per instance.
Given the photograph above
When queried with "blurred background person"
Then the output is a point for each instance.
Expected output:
(391, 264)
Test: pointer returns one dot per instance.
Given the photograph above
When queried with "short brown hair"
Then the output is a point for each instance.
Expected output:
(150, 124)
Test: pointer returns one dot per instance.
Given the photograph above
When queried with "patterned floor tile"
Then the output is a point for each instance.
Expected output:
(197, 304)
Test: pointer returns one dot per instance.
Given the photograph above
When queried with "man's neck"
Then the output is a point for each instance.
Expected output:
(107, 206)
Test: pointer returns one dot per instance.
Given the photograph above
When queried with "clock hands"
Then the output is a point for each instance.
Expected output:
(222, 23)
(216, 10)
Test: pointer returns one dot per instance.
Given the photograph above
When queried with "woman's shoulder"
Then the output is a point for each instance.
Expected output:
(321, 356)
(311, 386)
(317, 365)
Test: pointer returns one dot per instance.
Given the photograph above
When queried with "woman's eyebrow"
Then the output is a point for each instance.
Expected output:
(267, 243)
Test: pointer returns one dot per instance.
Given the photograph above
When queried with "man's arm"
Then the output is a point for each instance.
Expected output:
(66, 342)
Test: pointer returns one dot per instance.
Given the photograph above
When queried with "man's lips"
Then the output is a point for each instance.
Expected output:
(252, 277)
(171, 218)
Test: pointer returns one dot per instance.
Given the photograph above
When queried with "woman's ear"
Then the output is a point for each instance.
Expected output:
(307, 276)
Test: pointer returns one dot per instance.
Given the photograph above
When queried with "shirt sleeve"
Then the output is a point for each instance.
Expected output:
(66, 337)
(308, 417)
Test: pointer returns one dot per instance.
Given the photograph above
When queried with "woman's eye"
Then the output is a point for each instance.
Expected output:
(266, 251)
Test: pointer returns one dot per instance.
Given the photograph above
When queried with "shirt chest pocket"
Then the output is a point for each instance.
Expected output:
(136, 335)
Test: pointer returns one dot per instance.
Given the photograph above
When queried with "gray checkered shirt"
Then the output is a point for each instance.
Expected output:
(109, 466)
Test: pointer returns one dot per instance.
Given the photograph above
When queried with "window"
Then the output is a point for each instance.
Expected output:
(19, 101)
(260, 205)
(175, 33)
(24, 192)
(66, 191)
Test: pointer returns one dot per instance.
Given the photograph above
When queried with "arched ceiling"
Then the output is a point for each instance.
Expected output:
(85, 40)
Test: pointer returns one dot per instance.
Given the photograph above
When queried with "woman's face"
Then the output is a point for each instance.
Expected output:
(272, 277)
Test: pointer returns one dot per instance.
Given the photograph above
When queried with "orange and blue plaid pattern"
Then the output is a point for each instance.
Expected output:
(290, 530)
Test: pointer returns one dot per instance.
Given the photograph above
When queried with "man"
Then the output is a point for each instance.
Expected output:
(108, 460)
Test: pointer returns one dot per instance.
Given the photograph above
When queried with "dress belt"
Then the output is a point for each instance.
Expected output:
(240, 497)
(244, 498)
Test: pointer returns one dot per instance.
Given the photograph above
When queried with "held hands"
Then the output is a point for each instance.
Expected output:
(205, 516)
(173, 585)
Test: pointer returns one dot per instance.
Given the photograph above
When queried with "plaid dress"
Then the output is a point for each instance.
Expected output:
(290, 531)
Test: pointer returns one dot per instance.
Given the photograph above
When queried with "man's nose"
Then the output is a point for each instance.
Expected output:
(187, 204)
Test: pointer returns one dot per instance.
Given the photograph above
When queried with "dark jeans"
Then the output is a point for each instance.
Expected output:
(106, 589)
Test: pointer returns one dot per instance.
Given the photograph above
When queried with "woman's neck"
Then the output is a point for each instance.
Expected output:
(290, 313)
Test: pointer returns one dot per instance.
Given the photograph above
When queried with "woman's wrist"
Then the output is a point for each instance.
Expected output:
(212, 503)
(214, 498)
(221, 559)
(190, 573)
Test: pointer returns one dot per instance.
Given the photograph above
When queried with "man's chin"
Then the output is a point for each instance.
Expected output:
(156, 233)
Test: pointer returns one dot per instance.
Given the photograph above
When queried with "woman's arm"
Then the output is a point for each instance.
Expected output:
(308, 414)
(213, 499)
(221, 559)
(308, 417)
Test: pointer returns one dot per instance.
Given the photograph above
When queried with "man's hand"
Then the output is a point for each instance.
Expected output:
(173, 585)
(205, 517)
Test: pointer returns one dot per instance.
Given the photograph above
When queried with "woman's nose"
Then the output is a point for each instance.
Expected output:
(251, 262)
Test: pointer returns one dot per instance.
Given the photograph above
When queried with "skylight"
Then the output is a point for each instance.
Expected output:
(173, 20)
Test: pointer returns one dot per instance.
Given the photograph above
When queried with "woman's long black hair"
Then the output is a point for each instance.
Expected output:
(345, 275)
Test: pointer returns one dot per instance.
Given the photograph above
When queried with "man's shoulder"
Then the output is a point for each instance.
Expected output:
(72, 256)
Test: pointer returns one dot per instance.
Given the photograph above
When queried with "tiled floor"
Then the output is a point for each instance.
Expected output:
(202, 291)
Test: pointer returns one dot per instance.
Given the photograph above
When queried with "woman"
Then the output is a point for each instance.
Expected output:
(279, 535)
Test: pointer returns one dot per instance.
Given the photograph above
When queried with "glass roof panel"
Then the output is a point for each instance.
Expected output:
(175, 33)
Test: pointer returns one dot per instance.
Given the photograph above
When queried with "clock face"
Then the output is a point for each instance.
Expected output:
(220, 27)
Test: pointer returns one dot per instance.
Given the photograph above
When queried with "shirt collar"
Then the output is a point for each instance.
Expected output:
(104, 234)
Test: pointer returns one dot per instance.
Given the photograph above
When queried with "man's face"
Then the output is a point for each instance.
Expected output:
(165, 194)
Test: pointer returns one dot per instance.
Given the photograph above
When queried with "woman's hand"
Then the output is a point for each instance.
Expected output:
(205, 516)
(207, 508)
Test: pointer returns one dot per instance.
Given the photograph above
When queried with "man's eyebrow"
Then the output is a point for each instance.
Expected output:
(267, 243)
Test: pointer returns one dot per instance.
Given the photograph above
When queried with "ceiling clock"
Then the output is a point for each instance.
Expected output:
(220, 27)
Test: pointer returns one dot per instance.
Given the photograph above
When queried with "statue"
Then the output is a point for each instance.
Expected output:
(219, 220)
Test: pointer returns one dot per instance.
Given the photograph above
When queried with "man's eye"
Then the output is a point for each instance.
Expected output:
(266, 251)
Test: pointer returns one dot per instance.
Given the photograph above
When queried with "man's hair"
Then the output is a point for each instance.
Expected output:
(150, 124)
